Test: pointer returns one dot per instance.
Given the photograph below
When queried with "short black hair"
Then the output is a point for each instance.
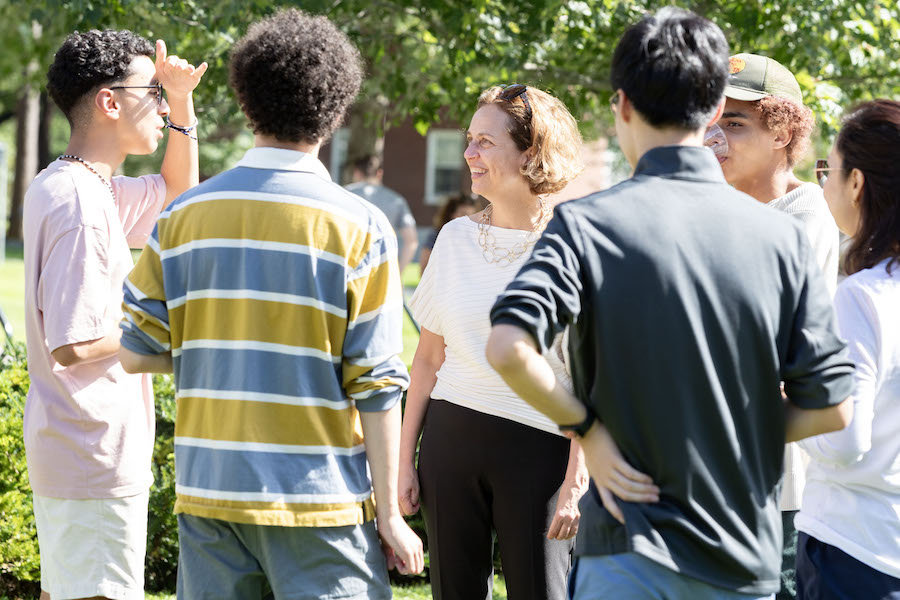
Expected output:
(368, 165)
(295, 75)
(673, 67)
(88, 60)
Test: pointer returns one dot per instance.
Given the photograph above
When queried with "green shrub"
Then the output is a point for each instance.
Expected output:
(19, 556)
(19, 559)
(162, 526)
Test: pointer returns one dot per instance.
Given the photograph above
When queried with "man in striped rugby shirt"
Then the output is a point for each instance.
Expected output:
(274, 295)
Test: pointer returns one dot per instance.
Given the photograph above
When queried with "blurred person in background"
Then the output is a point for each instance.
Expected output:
(368, 174)
(455, 206)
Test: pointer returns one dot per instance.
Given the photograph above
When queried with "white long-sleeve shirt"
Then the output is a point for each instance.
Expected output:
(852, 495)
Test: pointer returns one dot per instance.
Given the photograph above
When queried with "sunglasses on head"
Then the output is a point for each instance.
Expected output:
(516, 90)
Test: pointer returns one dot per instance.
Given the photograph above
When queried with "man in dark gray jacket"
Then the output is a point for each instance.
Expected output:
(688, 304)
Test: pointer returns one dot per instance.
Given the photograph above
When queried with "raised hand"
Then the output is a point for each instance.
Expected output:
(176, 75)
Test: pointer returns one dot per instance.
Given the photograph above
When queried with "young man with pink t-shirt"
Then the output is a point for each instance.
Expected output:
(88, 424)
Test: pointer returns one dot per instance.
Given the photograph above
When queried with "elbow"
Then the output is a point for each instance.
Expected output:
(837, 417)
(500, 354)
(131, 362)
(65, 356)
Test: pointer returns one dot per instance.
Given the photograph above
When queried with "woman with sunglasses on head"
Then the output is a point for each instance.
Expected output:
(488, 461)
(849, 523)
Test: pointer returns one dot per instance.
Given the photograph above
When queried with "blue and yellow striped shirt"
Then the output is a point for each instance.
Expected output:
(278, 294)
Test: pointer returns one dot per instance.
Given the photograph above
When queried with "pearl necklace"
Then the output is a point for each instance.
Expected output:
(92, 170)
(506, 256)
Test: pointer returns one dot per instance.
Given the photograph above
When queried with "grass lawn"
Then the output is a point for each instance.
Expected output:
(12, 291)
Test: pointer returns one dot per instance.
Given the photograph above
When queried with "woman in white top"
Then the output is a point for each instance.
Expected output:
(488, 461)
(849, 523)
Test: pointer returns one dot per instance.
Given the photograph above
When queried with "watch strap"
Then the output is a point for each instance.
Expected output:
(580, 429)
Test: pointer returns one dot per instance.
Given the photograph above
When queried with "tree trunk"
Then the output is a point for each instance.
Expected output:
(26, 156)
(44, 149)
(366, 138)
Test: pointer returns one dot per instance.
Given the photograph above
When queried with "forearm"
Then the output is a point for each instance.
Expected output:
(803, 423)
(381, 432)
(181, 163)
(410, 244)
(133, 362)
(423, 377)
(417, 399)
(576, 469)
(424, 256)
(514, 355)
(85, 352)
(849, 444)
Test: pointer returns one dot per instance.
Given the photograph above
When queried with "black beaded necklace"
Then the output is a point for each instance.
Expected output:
(92, 170)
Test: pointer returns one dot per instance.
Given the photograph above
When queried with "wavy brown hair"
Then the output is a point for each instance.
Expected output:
(869, 140)
(546, 125)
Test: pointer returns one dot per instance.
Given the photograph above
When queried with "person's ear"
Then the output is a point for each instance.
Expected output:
(527, 156)
(783, 137)
(105, 101)
(857, 182)
(625, 107)
(720, 110)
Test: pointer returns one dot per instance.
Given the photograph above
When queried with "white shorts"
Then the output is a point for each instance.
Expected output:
(92, 547)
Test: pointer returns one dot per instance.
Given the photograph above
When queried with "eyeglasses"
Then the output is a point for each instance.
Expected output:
(821, 169)
(158, 87)
(516, 90)
(614, 101)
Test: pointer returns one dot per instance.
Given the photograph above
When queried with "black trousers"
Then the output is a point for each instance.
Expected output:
(480, 473)
(825, 572)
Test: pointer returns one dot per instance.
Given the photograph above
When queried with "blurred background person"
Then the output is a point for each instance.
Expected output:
(489, 461)
(849, 521)
(367, 177)
(455, 206)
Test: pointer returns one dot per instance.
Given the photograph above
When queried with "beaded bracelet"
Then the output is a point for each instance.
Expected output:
(185, 130)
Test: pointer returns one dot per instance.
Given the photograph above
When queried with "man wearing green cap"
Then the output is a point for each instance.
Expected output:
(768, 130)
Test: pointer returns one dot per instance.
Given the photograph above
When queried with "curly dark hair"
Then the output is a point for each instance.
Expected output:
(88, 60)
(295, 75)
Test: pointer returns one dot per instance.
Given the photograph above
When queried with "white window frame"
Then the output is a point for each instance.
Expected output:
(435, 138)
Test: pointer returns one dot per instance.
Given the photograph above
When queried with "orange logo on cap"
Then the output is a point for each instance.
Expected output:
(736, 65)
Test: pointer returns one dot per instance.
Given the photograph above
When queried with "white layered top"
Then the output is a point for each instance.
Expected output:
(852, 496)
(454, 300)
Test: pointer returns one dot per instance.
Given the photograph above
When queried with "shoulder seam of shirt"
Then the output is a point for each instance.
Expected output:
(70, 230)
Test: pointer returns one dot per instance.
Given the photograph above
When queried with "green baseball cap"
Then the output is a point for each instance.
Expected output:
(754, 77)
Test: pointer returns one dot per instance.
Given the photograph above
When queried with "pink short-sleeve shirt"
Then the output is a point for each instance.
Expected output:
(89, 427)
